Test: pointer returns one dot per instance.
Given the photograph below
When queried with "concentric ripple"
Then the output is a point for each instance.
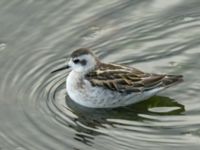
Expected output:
(38, 37)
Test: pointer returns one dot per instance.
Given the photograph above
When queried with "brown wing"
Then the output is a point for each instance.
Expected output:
(126, 80)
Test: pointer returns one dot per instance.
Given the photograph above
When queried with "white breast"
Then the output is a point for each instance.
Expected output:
(82, 92)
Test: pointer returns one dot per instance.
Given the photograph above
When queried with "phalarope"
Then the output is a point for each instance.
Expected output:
(92, 83)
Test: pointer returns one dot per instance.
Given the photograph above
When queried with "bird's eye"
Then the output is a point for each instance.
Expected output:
(76, 61)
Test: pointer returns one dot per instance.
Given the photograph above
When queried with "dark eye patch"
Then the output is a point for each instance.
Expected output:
(83, 62)
(76, 61)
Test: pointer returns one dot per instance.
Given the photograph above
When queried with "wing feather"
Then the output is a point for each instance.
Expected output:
(124, 79)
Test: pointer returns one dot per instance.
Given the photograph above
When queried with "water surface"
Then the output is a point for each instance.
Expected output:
(37, 36)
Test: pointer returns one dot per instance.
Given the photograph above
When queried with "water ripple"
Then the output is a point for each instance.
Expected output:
(38, 36)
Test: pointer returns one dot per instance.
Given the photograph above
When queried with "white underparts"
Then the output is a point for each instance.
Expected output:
(82, 92)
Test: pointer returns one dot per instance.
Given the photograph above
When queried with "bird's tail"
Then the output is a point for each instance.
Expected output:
(170, 80)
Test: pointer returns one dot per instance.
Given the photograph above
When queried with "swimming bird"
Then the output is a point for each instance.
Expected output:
(92, 83)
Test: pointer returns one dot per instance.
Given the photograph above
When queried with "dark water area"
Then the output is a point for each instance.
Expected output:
(37, 36)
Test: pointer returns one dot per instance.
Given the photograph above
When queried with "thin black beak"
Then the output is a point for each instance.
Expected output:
(60, 69)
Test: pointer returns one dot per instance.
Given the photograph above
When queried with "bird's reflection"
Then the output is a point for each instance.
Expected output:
(95, 118)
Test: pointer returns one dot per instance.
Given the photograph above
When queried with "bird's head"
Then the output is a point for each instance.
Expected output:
(81, 60)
